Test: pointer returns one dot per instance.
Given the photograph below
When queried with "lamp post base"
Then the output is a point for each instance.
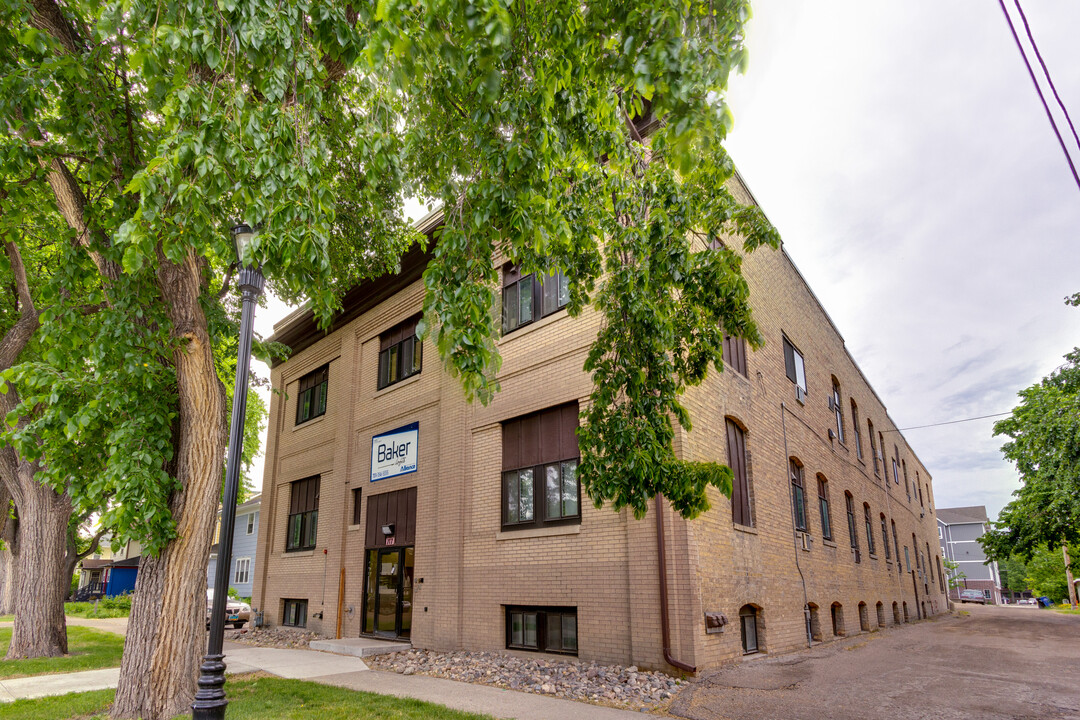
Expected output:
(210, 699)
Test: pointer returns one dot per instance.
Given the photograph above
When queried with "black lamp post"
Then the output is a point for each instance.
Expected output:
(210, 699)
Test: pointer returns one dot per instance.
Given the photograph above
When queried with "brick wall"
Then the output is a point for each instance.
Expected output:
(467, 569)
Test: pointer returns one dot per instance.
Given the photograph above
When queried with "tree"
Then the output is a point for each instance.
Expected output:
(953, 575)
(562, 136)
(1046, 574)
(1044, 444)
(1013, 574)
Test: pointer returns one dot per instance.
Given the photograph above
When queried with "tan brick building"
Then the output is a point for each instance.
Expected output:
(468, 531)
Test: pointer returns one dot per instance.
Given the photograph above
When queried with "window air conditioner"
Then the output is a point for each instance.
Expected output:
(832, 404)
(800, 394)
(806, 541)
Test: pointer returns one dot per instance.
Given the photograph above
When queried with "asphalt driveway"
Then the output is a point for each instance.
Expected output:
(994, 663)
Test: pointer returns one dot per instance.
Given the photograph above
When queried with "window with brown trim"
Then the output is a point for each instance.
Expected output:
(311, 396)
(735, 354)
(823, 506)
(795, 367)
(873, 447)
(869, 529)
(853, 534)
(838, 409)
(400, 353)
(855, 429)
(294, 613)
(896, 546)
(907, 485)
(798, 494)
(539, 479)
(543, 629)
(531, 297)
(357, 496)
(303, 514)
(741, 512)
(885, 536)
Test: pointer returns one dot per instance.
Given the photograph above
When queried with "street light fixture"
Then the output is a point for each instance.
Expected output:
(210, 699)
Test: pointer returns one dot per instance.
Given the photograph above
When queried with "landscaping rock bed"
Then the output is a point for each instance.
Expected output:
(602, 684)
(272, 637)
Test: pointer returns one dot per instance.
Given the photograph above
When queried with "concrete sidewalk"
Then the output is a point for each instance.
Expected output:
(347, 672)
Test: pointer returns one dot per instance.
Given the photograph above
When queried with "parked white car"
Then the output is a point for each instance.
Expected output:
(236, 612)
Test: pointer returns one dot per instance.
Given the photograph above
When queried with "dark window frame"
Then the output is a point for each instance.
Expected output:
(299, 616)
(868, 518)
(742, 510)
(823, 507)
(748, 615)
(885, 536)
(798, 495)
(734, 354)
(304, 514)
(838, 410)
(855, 429)
(542, 614)
(559, 415)
(548, 294)
(357, 498)
(312, 393)
(853, 531)
(791, 367)
(873, 446)
(401, 353)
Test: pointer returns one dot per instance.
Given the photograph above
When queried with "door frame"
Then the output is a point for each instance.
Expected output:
(379, 552)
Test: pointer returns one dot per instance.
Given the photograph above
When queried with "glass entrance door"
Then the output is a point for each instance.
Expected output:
(388, 592)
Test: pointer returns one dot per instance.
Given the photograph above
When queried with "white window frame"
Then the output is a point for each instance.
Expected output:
(251, 523)
(247, 571)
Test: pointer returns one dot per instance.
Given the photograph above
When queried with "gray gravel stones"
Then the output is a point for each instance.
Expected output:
(602, 684)
(273, 637)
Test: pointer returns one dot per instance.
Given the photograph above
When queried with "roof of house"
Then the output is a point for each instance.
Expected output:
(961, 515)
(94, 564)
(128, 562)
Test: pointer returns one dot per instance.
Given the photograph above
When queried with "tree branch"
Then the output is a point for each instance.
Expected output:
(225, 284)
(17, 338)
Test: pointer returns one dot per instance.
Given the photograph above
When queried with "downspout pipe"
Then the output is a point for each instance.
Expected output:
(661, 552)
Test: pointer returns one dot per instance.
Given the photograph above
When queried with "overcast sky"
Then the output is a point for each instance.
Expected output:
(901, 150)
(903, 154)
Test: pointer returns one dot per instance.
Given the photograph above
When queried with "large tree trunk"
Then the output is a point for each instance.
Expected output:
(40, 629)
(165, 639)
(7, 547)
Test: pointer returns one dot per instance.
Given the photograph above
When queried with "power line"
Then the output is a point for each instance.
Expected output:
(1038, 89)
(1046, 72)
(950, 422)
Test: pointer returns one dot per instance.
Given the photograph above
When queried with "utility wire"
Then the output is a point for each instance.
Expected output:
(1046, 72)
(1038, 89)
(949, 422)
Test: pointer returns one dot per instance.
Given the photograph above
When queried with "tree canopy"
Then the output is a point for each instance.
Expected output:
(1044, 444)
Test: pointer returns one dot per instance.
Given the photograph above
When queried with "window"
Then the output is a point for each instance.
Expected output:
(940, 536)
(400, 353)
(855, 429)
(873, 447)
(940, 573)
(540, 456)
(823, 505)
(795, 367)
(918, 483)
(896, 545)
(869, 529)
(907, 559)
(242, 575)
(552, 630)
(853, 535)
(295, 614)
(740, 490)
(311, 400)
(303, 514)
(885, 537)
(735, 354)
(907, 485)
(523, 296)
(929, 567)
(357, 496)
(798, 495)
(748, 621)
(986, 594)
(251, 522)
(895, 466)
(838, 410)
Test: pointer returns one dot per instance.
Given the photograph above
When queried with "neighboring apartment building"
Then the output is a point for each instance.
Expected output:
(245, 547)
(396, 509)
(959, 530)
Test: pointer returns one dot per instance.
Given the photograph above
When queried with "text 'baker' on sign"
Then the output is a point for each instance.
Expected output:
(394, 453)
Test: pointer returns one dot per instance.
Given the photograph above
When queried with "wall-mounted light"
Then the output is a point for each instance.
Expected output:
(388, 529)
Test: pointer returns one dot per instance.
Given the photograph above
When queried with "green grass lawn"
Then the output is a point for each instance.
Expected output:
(88, 649)
(263, 698)
(6, 618)
(107, 608)
(1066, 610)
